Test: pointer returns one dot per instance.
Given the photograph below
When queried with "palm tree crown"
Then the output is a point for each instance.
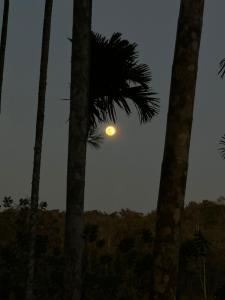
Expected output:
(116, 77)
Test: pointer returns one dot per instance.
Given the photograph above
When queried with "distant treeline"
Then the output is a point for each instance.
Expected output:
(118, 253)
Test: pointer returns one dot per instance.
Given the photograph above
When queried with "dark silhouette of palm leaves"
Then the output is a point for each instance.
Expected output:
(118, 80)
(222, 68)
(222, 148)
(95, 139)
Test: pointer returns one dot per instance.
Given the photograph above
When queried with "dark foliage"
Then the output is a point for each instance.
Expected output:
(222, 148)
(118, 253)
(118, 80)
(222, 68)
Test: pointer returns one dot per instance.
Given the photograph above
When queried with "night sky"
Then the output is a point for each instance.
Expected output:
(125, 172)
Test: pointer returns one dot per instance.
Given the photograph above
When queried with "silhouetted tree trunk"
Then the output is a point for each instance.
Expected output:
(176, 151)
(204, 277)
(38, 147)
(78, 130)
(3, 44)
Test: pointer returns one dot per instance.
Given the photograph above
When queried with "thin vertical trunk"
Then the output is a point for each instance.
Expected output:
(38, 147)
(78, 130)
(176, 151)
(3, 44)
(204, 278)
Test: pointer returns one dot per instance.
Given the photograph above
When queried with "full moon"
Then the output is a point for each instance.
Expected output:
(110, 130)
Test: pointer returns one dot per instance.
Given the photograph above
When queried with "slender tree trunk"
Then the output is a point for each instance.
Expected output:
(38, 147)
(175, 160)
(3, 44)
(78, 130)
(204, 278)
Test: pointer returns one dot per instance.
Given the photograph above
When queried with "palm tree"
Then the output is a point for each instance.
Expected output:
(118, 80)
(222, 140)
(115, 78)
(3, 44)
(38, 147)
(78, 133)
(175, 159)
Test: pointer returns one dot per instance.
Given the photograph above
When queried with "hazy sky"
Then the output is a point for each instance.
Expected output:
(125, 172)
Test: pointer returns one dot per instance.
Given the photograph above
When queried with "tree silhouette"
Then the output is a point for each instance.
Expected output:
(202, 247)
(117, 80)
(177, 142)
(38, 146)
(78, 134)
(222, 140)
(3, 44)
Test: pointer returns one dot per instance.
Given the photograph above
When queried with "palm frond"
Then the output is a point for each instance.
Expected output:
(147, 105)
(222, 148)
(222, 68)
(95, 139)
(118, 79)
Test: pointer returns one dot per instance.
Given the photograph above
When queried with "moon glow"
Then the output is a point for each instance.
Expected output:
(110, 130)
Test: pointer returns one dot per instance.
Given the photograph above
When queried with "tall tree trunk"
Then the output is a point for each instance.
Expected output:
(176, 151)
(204, 277)
(3, 44)
(38, 147)
(78, 130)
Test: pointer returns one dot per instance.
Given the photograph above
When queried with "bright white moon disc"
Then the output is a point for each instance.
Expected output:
(110, 130)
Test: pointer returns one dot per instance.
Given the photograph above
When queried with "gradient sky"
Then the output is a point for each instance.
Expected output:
(125, 172)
